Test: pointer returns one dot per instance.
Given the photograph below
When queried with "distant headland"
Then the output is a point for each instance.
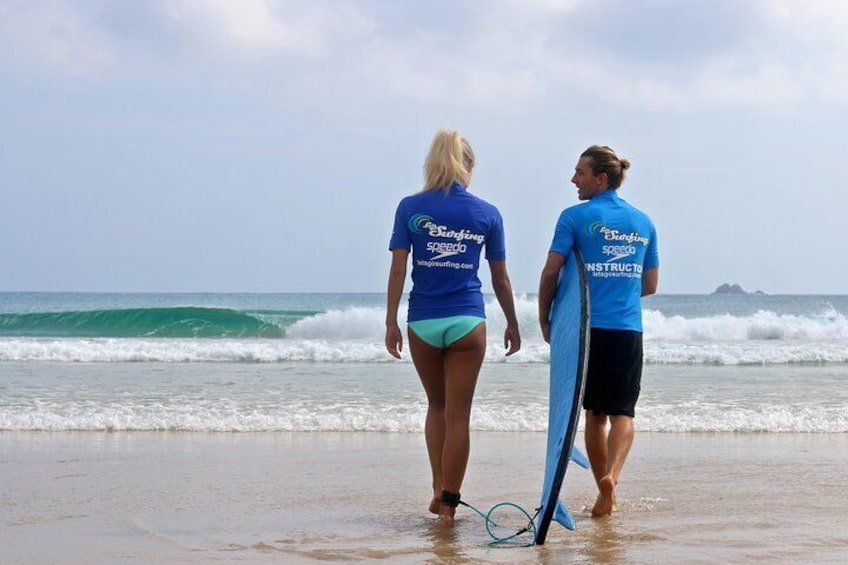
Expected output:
(734, 289)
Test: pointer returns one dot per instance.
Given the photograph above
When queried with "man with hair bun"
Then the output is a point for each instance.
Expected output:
(619, 247)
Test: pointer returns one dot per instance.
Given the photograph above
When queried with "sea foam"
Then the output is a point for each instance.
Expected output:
(221, 416)
(355, 334)
(132, 350)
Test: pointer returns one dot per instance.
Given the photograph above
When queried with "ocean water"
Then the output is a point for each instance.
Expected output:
(316, 362)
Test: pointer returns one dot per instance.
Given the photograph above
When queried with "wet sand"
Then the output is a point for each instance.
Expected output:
(146, 497)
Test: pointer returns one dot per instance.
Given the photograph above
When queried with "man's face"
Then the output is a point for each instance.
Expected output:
(588, 184)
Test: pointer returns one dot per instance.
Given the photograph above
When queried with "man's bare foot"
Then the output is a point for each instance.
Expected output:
(606, 498)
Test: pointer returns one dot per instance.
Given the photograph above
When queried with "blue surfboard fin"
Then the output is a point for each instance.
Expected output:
(563, 517)
(578, 457)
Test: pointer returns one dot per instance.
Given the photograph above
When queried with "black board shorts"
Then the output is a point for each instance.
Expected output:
(614, 377)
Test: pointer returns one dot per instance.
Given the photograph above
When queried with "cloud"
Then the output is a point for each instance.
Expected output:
(310, 29)
(440, 67)
(688, 57)
(770, 86)
(813, 37)
(651, 55)
(820, 23)
(545, 7)
(53, 36)
(91, 37)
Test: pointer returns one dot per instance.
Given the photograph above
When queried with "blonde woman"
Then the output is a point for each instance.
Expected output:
(447, 227)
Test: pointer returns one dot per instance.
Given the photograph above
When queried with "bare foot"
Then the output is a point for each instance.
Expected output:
(446, 514)
(435, 504)
(606, 498)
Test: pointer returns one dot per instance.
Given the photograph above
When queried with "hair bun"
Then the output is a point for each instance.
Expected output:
(625, 164)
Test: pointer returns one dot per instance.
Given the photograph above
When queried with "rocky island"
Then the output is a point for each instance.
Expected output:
(734, 289)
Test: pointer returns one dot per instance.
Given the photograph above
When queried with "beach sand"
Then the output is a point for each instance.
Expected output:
(361, 497)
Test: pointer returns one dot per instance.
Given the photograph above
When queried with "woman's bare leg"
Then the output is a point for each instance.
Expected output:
(429, 363)
(462, 366)
(449, 378)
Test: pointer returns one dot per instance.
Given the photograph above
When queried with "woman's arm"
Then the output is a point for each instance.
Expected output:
(503, 292)
(397, 276)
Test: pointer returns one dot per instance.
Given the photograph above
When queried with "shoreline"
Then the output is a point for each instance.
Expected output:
(300, 497)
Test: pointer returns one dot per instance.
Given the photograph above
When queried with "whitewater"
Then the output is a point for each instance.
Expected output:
(774, 333)
(316, 362)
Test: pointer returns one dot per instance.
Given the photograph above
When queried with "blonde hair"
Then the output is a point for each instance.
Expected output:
(450, 160)
(604, 160)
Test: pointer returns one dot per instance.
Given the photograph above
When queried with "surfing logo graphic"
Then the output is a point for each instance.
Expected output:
(445, 249)
(418, 222)
(593, 228)
(623, 246)
(611, 234)
(616, 252)
(456, 244)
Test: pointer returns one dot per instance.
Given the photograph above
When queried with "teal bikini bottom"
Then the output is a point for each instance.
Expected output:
(441, 332)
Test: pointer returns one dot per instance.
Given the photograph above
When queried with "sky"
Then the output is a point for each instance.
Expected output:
(262, 146)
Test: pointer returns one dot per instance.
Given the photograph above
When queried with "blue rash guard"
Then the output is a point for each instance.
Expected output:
(447, 233)
(618, 243)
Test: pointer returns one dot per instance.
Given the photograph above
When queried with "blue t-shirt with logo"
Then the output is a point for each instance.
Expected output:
(447, 233)
(618, 243)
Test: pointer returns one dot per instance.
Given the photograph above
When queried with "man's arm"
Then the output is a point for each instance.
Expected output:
(650, 278)
(547, 290)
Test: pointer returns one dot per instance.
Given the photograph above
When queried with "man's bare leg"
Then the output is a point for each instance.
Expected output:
(618, 444)
(596, 443)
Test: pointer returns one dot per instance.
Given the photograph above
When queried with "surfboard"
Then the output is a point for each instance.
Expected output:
(569, 359)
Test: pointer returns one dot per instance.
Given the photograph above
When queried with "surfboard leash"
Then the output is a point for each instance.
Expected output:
(490, 523)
